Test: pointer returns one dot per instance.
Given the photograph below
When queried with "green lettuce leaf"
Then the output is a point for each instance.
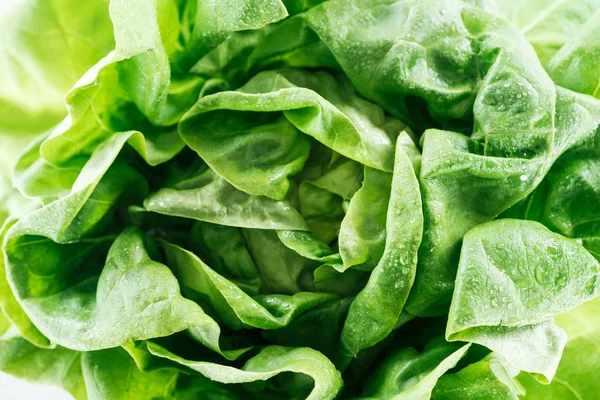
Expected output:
(392, 278)
(46, 47)
(290, 199)
(575, 377)
(548, 25)
(271, 361)
(489, 378)
(408, 374)
(60, 367)
(236, 309)
(513, 277)
(112, 374)
(225, 131)
(134, 87)
(572, 66)
(210, 198)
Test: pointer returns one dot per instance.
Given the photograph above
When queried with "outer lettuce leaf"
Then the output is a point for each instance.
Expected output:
(548, 25)
(126, 90)
(573, 67)
(271, 361)
(454, 205)
(576, 374)
(61, 286)
(74, 219)
(46, 46)
(11, 309)
(134, 88)
(59, 366)
(112, 374)
(513, 277)
(37, 179)
(566, 202)
(15, 205)
(489, 378)
(447, 80)
(92, 319)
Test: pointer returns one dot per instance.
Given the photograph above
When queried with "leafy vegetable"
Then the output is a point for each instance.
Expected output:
(407, 374)
(513, 276)
(285, 199)
(489, 378)
(548, 25)
(574, 377)
(393, 276)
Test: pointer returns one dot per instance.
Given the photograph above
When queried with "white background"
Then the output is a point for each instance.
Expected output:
(12, 388)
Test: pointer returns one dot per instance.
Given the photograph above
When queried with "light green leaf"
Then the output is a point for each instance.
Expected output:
(575, 377)
(363, 229)
(69, 284)
(513, 278)
(548, 25)
(375, 310)
(235, 308)
(112, 374)
(490, 378)
(318, 104)
(271, 361)
(131, 287)
(45, 47)
(463, 187)
(59, 366)
(208, 197)
(574, 66)
(134, 87)
(281, 269)
(11, 309)
(406, 374)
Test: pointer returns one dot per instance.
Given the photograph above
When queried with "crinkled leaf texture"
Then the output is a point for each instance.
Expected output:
(460, 67)
(343, 199)
(514, 276)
